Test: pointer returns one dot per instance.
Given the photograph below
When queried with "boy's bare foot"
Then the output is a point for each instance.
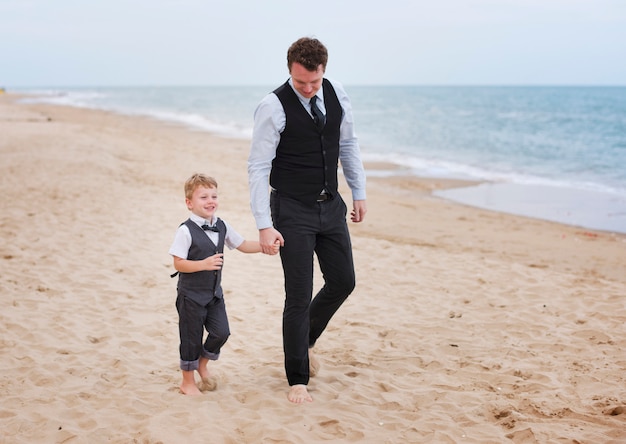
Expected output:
(298, 394)
(208, 384)
(190, 389)
(203, 370)
(188, 386)
(314, 364)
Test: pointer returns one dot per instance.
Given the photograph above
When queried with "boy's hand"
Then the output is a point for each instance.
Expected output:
(275, 247)
(214, 262)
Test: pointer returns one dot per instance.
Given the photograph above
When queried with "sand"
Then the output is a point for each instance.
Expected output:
(466, 326)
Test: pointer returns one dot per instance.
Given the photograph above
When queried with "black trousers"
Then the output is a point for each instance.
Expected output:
(193, 319)
(319, 229)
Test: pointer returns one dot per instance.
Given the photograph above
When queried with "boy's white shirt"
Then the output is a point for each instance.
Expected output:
(182, 239)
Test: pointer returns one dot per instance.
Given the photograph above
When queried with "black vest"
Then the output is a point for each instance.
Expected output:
(306, 159)
(202, 286)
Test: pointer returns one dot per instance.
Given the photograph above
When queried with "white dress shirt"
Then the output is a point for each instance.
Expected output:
(182, 239)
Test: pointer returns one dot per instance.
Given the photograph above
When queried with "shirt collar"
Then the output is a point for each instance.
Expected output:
(201, 220)
(304, 100)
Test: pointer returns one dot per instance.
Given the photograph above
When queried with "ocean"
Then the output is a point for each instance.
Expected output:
(553, 153)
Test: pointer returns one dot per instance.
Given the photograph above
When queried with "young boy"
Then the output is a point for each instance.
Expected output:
(197, 250)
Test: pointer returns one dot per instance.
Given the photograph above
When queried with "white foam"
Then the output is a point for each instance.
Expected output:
(444, 169)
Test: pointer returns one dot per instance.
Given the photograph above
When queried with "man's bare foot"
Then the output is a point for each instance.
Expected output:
(208, 384)
(314, 364)
(190, 389)
(298, 394)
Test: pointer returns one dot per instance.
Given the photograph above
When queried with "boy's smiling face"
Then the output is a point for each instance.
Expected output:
(203, 202)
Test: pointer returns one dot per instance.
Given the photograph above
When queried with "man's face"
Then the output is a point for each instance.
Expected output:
(304, 81)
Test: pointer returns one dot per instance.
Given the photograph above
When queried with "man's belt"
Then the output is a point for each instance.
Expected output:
(324, 196)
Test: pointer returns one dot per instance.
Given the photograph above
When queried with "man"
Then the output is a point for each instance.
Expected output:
(301, 131)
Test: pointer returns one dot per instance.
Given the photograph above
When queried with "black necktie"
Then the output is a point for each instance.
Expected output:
(206, 227)
(318, 117)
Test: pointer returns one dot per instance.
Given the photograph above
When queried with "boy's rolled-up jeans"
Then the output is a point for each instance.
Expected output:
(193, 320)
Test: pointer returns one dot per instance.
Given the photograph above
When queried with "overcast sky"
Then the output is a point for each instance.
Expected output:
(370, 42)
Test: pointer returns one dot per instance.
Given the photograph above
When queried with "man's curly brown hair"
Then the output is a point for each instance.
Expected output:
(308, 52)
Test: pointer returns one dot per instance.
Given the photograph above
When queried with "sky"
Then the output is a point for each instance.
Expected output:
(370, 42)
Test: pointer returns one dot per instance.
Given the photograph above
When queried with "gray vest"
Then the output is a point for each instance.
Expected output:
(202, 286)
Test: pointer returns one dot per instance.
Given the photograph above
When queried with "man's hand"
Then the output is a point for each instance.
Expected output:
(270, 239)
(359, 208)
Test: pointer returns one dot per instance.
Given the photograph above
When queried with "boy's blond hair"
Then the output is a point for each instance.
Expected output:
(198, 180)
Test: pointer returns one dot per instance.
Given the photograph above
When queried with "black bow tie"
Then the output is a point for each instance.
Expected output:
(209, 228)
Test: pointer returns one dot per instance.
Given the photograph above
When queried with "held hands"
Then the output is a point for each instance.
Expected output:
(270, 240)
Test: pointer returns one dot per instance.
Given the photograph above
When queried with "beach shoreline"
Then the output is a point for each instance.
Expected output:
(583, 200)
(466, 325)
